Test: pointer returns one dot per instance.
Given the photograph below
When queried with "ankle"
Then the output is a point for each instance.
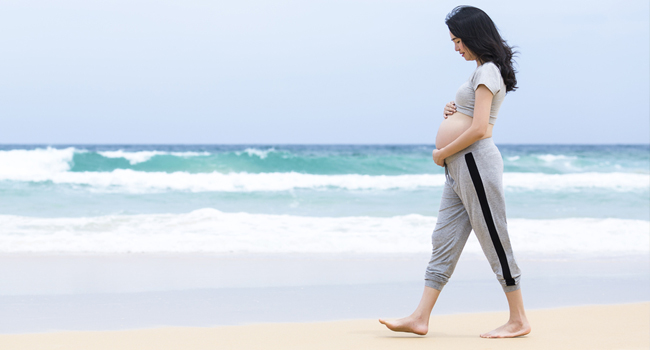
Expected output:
(518, 316)
(519, 320)
(420, 316)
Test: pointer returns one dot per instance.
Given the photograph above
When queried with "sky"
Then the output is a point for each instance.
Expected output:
(311, 71)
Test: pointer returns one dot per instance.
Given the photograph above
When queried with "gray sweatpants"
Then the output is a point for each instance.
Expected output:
(473, 199)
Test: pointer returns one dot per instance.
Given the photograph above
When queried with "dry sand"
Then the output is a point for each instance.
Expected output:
(625, 326)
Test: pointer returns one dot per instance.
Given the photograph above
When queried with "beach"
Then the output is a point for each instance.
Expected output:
(53, 293)
(622, 326)
(265, 175)
(175, 247)
(307, 301)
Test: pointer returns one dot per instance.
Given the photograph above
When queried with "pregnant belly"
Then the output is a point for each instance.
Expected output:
(453, 127)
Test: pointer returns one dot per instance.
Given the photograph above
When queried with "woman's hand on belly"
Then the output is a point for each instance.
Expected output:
(437, 157)
(450, 108)
(463, 130)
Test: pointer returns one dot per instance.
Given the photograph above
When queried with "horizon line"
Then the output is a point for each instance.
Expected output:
(306, 144)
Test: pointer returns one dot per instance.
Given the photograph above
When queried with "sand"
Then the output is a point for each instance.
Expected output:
(624, 326)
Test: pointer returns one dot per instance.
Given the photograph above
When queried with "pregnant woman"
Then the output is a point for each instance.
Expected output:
(473, 193)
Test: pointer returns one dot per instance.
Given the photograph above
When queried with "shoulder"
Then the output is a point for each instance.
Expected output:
(489, 71)
(489, 68)
(488, 74)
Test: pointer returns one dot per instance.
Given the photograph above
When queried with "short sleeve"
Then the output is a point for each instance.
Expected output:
(489, 75)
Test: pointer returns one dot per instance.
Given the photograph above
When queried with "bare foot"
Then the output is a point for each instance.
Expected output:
(409, 324)
(509, 330)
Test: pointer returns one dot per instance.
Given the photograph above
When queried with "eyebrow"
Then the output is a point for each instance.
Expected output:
(454, 38)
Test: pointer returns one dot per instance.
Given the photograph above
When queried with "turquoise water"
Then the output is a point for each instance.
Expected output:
(94, 183)
(366, 160)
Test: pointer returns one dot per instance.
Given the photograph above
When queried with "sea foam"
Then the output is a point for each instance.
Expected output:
(53, 165)
(213, 231)
(143, 156)
(40, 163)
(262, 154)
(130, 181)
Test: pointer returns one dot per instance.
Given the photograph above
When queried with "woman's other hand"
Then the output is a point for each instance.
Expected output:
(450, 108)
(437, 157)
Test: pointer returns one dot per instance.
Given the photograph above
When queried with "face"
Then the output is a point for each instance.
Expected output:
(465, 52)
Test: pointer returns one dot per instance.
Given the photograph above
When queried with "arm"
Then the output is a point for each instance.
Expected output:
(482, 105)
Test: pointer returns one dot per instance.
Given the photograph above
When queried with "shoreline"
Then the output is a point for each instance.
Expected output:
(43, 293)
(617, 326)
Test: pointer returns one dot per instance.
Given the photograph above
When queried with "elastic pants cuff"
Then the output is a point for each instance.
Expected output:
(509, 289)
(434, 284)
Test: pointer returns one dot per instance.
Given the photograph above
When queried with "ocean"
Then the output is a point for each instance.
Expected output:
(591, 200)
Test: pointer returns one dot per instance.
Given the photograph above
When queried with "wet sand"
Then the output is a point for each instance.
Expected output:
(52, 293)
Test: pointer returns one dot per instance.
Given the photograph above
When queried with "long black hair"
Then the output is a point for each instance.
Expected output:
(479, 34)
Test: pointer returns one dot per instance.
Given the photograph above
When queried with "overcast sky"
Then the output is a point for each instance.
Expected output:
(311, 71)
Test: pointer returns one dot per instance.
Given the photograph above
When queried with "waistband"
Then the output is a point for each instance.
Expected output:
(476, 146)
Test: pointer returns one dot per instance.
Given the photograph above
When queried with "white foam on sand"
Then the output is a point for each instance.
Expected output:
(210, 230)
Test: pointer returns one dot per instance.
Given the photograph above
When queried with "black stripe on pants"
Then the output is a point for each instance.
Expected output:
(482, 198)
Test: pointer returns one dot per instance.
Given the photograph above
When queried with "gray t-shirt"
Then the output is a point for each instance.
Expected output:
(487, 74)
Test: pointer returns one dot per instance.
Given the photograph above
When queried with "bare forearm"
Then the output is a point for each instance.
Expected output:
(463, 141)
